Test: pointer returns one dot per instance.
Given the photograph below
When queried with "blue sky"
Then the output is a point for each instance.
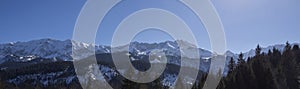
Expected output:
(246, 22)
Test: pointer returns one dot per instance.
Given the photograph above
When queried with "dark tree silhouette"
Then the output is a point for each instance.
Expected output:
(241, 59)
(231, 65)
(257, 50)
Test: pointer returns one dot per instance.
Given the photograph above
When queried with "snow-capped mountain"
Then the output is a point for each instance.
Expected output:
(45, 48)
(62, 50)
(169, 47)
(58, 54)
(279, 47)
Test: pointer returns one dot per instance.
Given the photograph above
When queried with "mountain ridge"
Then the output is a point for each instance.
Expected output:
(51, 48)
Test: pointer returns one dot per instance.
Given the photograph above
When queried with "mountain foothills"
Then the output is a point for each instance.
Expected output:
(48, 63)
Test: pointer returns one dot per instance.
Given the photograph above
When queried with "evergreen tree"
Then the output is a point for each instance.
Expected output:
(296, 51)
(269, 52)
(289, 65)
(296, 47)
(262, 73)
(287, 46)
(257, 50)
(241, 59)
(231, 65)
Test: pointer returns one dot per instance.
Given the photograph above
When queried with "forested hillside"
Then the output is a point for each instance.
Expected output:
(272, 70)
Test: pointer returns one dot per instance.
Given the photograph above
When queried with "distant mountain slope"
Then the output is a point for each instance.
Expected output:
(279, 47)
(44, 48)
(62, 50)
(48, 62)
(56, 50)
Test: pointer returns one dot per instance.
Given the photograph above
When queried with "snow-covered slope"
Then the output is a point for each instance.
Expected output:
(169, 47)
(62, 50)
(45, 48)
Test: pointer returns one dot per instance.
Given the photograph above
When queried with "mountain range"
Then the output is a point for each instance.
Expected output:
(62, 50)
(38, 57)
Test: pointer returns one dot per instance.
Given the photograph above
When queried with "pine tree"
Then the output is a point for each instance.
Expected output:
(257, 50)
(287, 46)
(296, 51)
(289, 66)
(262, 73)
(241, 59)
(269, 52)
(296, 47)
(231, 65)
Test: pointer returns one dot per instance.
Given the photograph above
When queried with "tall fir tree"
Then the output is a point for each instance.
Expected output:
(257, 50)
(231, 65)
(241, 59)
(287, 46)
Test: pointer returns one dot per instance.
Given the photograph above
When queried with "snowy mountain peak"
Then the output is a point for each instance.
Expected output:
(62, 50)
(45, 48)
(279, 47)
(169, 47)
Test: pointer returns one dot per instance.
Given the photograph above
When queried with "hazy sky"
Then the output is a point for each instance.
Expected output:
(246, 22)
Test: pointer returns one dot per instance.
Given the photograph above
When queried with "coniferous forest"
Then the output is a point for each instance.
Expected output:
(272, 70)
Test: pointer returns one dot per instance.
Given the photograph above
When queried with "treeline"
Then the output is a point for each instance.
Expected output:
(272, 70)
